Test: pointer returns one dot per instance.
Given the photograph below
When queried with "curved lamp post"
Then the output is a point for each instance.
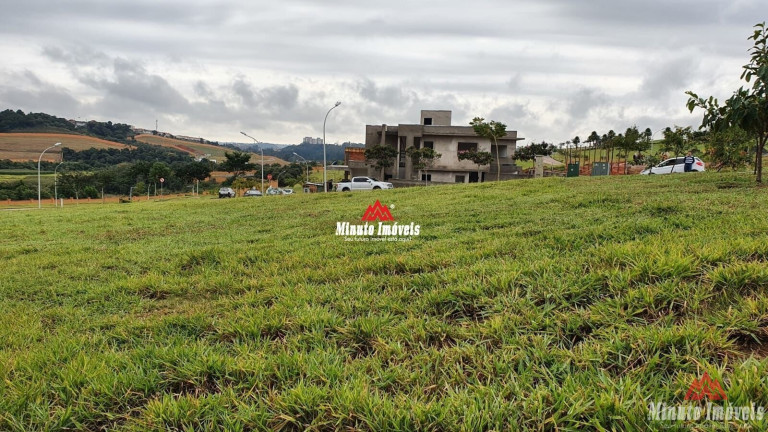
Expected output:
(305, 162)
(257, 142)
(325, 164)
(39, 203)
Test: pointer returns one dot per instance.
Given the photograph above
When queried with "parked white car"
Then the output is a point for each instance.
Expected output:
(674, 165)
(362, 183)
(226, 192)
(279, 191)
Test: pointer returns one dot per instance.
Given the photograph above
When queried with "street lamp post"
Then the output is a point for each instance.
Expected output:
(306, 162)
(325, 163)
(56, 183)
(278, 177)
(257, 142)
(39, 203)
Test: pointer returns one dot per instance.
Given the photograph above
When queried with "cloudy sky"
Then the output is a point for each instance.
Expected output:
(550, 69)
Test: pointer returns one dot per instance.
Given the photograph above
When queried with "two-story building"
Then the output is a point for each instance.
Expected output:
(435, 131)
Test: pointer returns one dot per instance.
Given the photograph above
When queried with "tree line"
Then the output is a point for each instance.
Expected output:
(137, 178)
(238, 163)
(18, 121)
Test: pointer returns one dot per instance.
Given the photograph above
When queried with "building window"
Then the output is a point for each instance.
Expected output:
(426, 177)
(429, 144)
(467, 147)
(427, 121)
(460, 179)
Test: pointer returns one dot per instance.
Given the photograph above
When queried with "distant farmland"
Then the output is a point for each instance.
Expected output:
(22, 147)
(200, 149)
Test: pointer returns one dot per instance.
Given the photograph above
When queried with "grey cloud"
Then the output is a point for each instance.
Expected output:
(132, 82)
(28, 92)
(667, 77)
(512, 114)
(389, 96)
(584, 100)
(76, 55)
(597, 64)
(244, 92)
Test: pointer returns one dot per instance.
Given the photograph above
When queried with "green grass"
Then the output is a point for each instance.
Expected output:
(550, 304)
(26, 177)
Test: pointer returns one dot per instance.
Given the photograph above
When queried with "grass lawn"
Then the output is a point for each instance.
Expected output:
(548, 304)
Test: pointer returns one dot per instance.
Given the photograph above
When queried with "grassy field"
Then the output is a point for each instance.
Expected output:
(199, 149)
(27, 146)
(542, 305)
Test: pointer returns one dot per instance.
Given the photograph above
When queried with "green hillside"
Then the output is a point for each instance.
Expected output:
(553, 304)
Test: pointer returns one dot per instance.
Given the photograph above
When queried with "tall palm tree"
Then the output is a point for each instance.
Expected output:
(576, 140)
(594, 139)
(610, 142)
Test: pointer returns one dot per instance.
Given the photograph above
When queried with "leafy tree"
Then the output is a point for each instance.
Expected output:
(191, 171)
(237, 163)
(481, 158)
(530, 151)
(73, 183)
(492, 130)
(746, 108)
(633, 141)
(676, 140)
(90, 192)
(18, 121)
(159, 170)
(381, 156)
(729, 148)
(99, 158)
(140, 189)
(423, 159)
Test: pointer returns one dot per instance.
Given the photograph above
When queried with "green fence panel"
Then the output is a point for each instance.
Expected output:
(600, 169)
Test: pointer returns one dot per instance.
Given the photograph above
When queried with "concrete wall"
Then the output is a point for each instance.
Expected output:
(448, 147)
(439, 117)
(447, 177)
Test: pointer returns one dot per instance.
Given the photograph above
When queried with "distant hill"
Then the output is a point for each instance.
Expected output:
(313, 152)
(22, 147)
(201, 150)
(254, 147)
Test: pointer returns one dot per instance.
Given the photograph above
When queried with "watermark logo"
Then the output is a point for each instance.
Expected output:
(377, 212)
(706, 388)
(376, 226)
(705, 401)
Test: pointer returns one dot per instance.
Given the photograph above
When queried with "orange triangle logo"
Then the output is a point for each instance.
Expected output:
(378, 212)
(705, 388)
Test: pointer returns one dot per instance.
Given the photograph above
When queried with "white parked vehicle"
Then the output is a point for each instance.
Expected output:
(362, 183)
(674, 165)
(226, 192)
(252, 193)
(279, 191)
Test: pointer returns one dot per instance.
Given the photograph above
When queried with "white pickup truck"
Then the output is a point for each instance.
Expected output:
(362, 183)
